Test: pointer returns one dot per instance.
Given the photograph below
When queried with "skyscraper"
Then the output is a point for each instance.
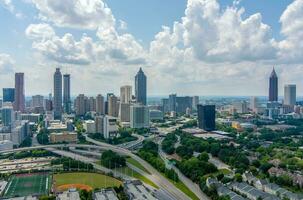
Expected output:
(172, 101)
(125, 94)
(140, 87)
(206, 117)
(100, 105)
(113, 106)
(57, 104)
(8, 94)
(66, 94)
(139, 116)
(273, 86)
(19, 103)
(290, 95)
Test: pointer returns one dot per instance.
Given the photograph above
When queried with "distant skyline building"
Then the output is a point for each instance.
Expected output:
(66, 94)
(19, 103)
(113, 106)
(80, 105)
(57, 103)
(8, 95)
(196, 100)
(273, 86)
(100, 109)
(7, 113)
(125, 94)
(172, 101)
(206, 117)
(140, 87)
(290, 95)
(37, 101)
(139, 116)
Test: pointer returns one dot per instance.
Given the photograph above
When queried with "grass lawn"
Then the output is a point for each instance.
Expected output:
(136, 164)
(129, 172)
(93, 180)
(28, 184)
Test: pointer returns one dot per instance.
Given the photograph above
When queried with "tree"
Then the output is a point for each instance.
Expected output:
(203, 157)
(238, 177)
(112, 160)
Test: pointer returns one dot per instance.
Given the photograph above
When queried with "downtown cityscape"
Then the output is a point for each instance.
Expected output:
(88, 129)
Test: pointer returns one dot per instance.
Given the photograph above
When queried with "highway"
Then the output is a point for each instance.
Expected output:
(155, 176)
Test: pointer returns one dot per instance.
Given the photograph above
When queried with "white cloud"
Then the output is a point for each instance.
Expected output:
(40, 31)
(122, 25)
(6, 63)
(82, 14)
(291, 48)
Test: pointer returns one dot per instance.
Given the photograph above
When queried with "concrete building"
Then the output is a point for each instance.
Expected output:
(196, 101)
(100, 105)
(92, 104)
(66, 94)
(182, 103)
(113, 106)
(8, 95)
(99, 122)
(37, 101)
(172, 101)
(57, 103)
(241, 107)
(19, 132)
(124, 112)
(136, 190)
(56, 126)
(139, 116)
(71, 194)
(254, 104)
(70, 137)
(90, 126)
(81, 105)
(110, 129)
(290, 95)
(7, 113)
(19, 103)
(105, 194)
(31, 117)
(165, 105)
(206, 117)
(156, 115)
(126, 94)
(140, 87)
(273, 86)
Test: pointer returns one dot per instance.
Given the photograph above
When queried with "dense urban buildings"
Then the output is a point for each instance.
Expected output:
(140, 87)
(273, 86)
(66, 94)
(206, 117)
(19, 103)
(57, 103)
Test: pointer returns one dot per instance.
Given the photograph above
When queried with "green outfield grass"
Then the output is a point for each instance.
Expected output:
(28, 184)
(93, 180)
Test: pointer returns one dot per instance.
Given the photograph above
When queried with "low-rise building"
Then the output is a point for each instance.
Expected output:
(156, 115)
(71, 194)
(90, 126)
(106, 194)
(70, 137)
(6, 145)
(136, 190)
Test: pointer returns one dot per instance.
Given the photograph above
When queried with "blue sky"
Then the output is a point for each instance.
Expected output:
(188, 58)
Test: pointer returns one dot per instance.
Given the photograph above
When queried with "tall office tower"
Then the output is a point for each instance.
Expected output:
(66, 94)
(172, 101)
(290, 95)
(125, 94)
(113, 106)
(140, 87)
(195, 102)
(254, 104)
(7, 113)
(124, 112)
(100, 105)
(139, 116)
(57, 103)
(273, 86)
(183, 103)
(206, 117)
(37, 101)
(92, 104)
(240, 106)
(81, 105)
(19, 103)
(8, 94)
(165, 105)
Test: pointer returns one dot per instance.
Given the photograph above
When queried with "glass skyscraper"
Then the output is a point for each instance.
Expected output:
(273, 86)
(140, 87)
(8, 94)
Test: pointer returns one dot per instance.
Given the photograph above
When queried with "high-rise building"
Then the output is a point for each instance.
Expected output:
(254, 104)
(140, 87)
(182, 103)
(124, 112)
(110, 127)
(172, 101)
(125, 94)
(19, 103)
(57, 103)
(37, 101)
(240, 106)
(113, 106)
(195, 102)
(7, 113)
(8, 95)
(92, 104)
(81, 107)
(66, 94)
(206, 117)
(165, 105)
(99, 121)
(273, 86)
(139, 116)
(290, 95)
(100, 105)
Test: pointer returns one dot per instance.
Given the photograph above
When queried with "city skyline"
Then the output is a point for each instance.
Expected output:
(171, 56)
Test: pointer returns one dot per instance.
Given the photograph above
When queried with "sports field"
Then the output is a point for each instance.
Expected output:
(82, 180)
(28, 184)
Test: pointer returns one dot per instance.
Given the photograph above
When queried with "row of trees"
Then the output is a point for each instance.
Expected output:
(169, 142)
(112, 160)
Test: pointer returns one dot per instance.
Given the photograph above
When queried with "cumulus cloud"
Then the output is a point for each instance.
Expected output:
(88, 14)
(6, 63)
(291, 48)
